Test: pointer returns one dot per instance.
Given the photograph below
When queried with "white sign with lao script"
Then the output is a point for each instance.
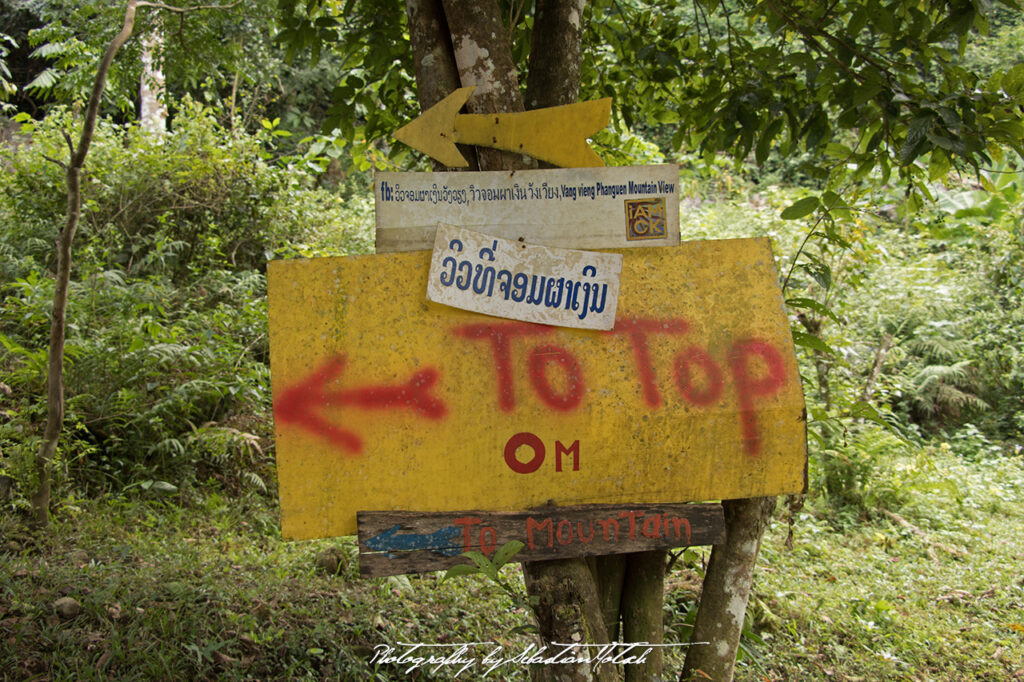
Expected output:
(519, 281)
(584, 208)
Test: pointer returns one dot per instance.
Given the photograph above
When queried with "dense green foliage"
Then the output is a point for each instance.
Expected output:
(200, 586)
(220, 51)
(222, 54)
(907, 316)
(866, 87)
(905, 328)
(167, 375)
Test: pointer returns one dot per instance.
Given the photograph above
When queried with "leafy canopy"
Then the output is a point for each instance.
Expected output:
(868, 87)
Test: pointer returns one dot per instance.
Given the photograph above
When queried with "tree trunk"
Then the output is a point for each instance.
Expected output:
(884, 346)
(630, 588)
(610, 573)
(727, 587)
(580, 600)
(58, 325)
(483, 54)
(437, 75)
(568, 611)
(555, 54)
(152, 109)
(643, 598)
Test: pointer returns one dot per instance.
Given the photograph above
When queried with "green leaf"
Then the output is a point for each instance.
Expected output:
(811, 304)
(1013, 80)
(911, 149)
(801, 208)
(938, 165)
(865, 410)
(524, 630)
(811, 341)
(821, 272)
(865, 92)
(764, 143)
(483, 563)
(46, 79)
(506, 552)
(460, 569)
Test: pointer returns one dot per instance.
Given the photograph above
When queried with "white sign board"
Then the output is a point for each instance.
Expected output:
(583, 208)
(518, 281)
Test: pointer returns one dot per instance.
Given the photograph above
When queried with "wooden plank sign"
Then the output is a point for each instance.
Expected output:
(394, 542)
(575, 208)
(384, 400)
(518, 281)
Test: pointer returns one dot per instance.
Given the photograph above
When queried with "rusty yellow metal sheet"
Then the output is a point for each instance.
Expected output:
(557, 135)
(386, 401)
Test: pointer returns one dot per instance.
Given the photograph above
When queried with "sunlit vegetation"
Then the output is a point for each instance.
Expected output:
(902, 562)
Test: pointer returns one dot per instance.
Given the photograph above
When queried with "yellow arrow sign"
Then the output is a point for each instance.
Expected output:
(557, 135)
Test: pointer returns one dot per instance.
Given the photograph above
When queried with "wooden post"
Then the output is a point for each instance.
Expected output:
(643, 596)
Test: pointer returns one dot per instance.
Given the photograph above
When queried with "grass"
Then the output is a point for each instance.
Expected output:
(202, 587)
(935, 592)
(916, 574)
(209, 591)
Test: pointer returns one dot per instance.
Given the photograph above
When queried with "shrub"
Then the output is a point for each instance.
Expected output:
(166, 374)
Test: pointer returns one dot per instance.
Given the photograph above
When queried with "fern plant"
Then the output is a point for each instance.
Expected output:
(7, 88)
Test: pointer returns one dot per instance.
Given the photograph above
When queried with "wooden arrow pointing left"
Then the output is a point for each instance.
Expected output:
(557, 135)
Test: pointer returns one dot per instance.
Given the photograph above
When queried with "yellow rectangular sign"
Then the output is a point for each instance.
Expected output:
(386, 401)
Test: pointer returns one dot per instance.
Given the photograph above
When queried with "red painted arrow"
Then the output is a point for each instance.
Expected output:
(299, 404)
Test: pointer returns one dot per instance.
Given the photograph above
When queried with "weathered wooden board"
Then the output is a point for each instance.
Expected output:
(517, 281)
(394, 542)
(384, 400)
(577, 208)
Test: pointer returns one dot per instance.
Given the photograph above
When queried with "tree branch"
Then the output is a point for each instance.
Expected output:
(183, 10)
(56, 161)
(813, 41)
(886, 343)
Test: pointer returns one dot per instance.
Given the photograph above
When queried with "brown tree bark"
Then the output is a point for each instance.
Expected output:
(437, 75)
(555, 54)
(433, 60)
(483, 54)
(568, 611)
(610, 574)
(727, 586)
(643, 598)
